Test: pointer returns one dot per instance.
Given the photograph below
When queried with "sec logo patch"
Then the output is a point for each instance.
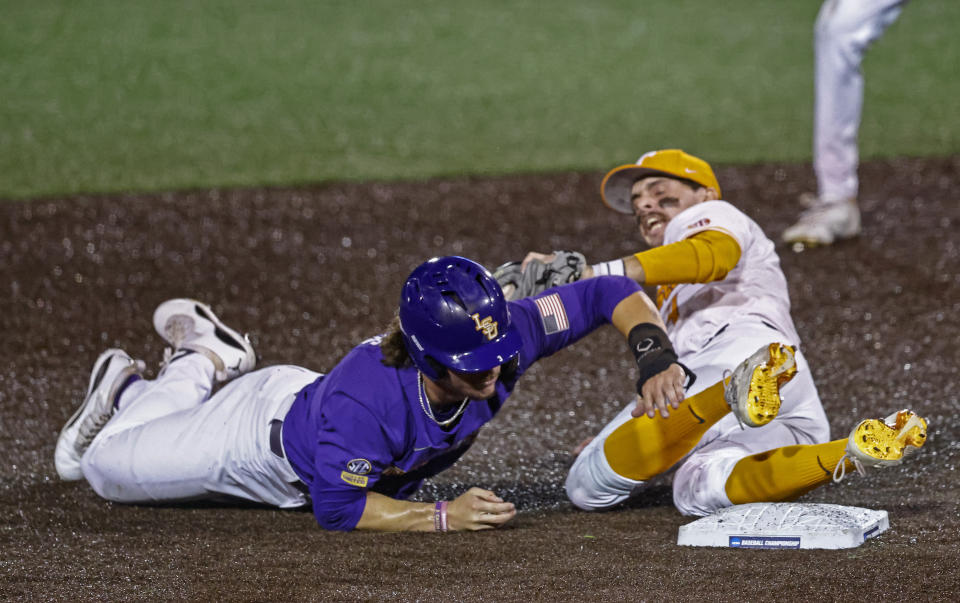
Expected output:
(359, 466)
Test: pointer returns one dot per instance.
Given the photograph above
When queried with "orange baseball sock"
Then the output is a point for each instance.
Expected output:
(784, 473)
(644, 447)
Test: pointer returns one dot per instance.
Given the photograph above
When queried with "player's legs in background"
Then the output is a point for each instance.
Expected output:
(844, 30)
(198, 449)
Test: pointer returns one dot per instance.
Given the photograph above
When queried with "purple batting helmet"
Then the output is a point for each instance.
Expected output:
(453, 315)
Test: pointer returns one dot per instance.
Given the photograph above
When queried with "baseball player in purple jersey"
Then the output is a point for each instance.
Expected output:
(356, 442)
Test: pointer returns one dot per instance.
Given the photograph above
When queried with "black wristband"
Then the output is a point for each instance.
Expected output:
(652, 350)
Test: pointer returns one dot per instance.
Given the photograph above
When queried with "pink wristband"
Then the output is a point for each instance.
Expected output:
(440, 516)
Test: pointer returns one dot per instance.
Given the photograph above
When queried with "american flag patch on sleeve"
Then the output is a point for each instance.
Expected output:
(552, 313)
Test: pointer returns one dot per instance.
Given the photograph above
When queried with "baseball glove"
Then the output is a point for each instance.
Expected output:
(566, 267)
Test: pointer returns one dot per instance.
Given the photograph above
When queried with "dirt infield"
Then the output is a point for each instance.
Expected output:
(310, 272)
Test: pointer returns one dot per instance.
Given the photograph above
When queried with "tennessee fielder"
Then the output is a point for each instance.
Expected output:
(843, 32)
(356, 442)
(722, 295)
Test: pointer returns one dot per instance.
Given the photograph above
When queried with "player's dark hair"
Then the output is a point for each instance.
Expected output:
(394, 350)
(395, 353)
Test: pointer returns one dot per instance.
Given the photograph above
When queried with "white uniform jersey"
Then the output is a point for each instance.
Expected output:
(713, 327)
(755, 290)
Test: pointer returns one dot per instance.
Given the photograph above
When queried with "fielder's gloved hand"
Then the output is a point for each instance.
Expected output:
(566, 267)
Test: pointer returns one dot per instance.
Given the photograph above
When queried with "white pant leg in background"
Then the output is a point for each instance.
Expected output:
(167, 444)
(699, 483)
(843, 32)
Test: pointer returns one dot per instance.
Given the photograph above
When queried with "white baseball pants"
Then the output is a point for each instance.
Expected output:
(170, 441)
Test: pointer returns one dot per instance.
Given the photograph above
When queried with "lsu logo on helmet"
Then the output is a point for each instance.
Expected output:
(488, 325)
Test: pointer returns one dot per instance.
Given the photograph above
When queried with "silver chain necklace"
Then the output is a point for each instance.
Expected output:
(425, 404)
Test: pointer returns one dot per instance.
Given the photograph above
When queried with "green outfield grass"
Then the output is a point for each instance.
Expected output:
(104, 96)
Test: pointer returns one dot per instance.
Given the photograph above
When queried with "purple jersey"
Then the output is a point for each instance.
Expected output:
(362, 426)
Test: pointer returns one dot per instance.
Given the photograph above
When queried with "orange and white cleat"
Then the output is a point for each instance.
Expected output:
(883, 443)
(753, 391)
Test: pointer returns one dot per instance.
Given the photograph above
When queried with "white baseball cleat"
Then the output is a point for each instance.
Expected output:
(753, 391)
(110, 372)
(823, 222)
(883, 443)
(191, 326)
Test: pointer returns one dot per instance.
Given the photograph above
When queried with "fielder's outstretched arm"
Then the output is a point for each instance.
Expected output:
(475, 509)
(702, 258)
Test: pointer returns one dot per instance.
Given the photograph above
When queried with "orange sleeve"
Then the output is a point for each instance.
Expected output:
(704, 257)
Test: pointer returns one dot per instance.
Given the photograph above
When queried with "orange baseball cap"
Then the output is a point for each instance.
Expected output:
(617, 185)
